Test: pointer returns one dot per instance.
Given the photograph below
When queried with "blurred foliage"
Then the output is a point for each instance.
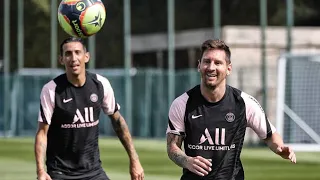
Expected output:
(147, 17)
(43, 5)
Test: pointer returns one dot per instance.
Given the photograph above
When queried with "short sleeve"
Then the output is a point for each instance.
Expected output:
(109, 104)
(176, 115)
(256, 117)
(47, 102)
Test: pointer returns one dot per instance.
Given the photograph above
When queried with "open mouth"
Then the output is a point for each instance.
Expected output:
(75, 67)
(211, 75)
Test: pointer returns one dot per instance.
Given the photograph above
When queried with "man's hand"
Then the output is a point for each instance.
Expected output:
(286, 153)
(136, 170)
(199, 165)
(43, 175)
(276, 144)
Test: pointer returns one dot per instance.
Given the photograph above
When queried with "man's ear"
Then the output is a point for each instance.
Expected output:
(229, 69)
(61, 60)
(199, 61)
(87, 57)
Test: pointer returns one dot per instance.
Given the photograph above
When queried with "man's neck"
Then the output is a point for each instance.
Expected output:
(213, 94)
(78, 80)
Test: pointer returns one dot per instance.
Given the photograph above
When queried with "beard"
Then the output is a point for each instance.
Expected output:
(212, 84)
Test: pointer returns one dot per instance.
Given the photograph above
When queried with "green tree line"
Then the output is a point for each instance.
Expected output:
(148, 16)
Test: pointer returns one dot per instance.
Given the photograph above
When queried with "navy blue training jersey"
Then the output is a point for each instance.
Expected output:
(216, 130)
(72, 114)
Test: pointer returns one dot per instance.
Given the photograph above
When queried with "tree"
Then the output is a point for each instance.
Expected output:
(147, 17)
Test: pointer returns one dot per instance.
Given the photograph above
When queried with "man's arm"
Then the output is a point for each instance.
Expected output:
(174, 143)
(276, 144)
(121, 128)
(197, 165)
(40, 146)
(258, 121)
(123, 133)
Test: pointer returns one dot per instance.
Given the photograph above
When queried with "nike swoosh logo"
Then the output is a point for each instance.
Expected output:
(194, 117)
(67, 100)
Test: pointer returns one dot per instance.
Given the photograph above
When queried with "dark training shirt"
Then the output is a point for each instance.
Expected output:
(73, 115)
(216, 130)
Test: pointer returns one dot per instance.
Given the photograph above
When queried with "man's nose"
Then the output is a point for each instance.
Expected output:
(73, 56)
(212, 66)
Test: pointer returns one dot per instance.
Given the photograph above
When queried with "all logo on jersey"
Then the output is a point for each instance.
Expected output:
(88, 115)
(82, 121)
(218, 140)
(230, 117)
(215, 141)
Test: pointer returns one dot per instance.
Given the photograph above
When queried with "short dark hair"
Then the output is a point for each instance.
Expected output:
(216, 44)
(72, 39)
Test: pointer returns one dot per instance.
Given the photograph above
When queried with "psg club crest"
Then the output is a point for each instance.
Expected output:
(93, 98)
(230, 117)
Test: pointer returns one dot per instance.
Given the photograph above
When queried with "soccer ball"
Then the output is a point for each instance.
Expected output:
(81, 18)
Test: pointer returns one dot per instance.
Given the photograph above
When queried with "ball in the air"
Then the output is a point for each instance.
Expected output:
(81, 18)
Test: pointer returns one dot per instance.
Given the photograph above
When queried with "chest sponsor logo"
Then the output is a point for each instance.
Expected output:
(230, 117)
(80, 121)
(208, 142)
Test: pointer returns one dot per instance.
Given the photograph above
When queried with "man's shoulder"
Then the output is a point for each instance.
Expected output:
(49, 86)
(59, 79)
(98, 77)
(183, 98)
(193, 90)
(56, 80)
(242, 94)
(53, 83)
(234, 89)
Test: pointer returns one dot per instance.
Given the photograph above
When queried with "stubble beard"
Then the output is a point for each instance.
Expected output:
(210, 86)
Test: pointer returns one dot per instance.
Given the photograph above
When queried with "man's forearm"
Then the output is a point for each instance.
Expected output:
(274, 142)
(175, 153)
(121, 128)
(178, 156)
(40, 149)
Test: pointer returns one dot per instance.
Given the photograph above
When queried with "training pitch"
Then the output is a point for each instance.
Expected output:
(17, 161)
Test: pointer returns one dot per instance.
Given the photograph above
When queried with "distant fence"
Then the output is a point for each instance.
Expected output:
(149, 102)
(149, 98)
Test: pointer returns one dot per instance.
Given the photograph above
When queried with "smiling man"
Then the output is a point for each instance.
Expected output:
(211, 119)
(68, 123)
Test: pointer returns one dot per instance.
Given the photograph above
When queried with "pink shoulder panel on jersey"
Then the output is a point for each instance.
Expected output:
(256, 117)
(47, 102)
(109, 105)
(176, 115)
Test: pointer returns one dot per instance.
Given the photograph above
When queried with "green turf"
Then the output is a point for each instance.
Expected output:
(17, 162)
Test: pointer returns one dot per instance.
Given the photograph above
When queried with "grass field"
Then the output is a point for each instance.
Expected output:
(17, 162)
